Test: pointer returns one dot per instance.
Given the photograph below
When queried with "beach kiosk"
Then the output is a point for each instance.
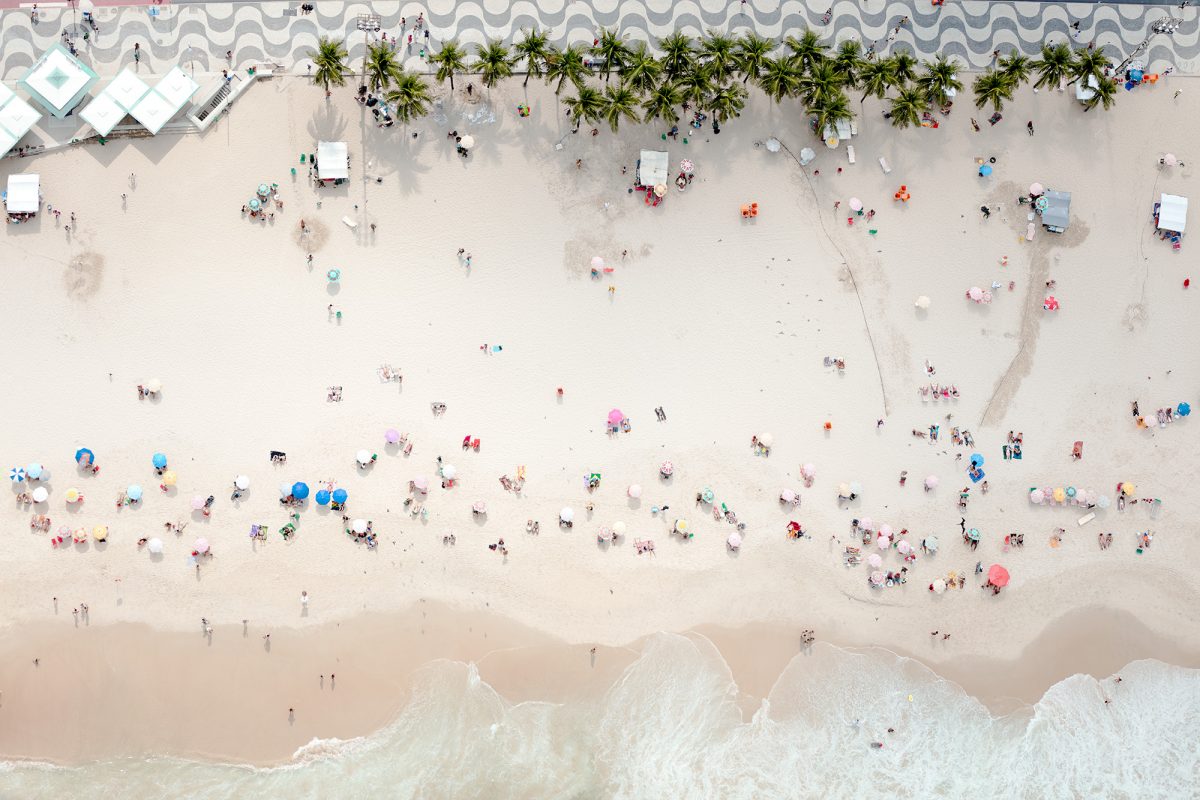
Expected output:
(1170, 217)
(23, 198)
(652, 168)
(1056, 212)
(333, 162)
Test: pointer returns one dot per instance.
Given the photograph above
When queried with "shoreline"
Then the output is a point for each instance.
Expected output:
(167, 696)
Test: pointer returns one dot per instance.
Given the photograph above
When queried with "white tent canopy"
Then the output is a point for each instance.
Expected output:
(653, 169)
(1086, 90)
(333, 160)
(23, 194)
(1172, 213)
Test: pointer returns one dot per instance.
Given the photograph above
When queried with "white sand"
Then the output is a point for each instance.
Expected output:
(722, 323)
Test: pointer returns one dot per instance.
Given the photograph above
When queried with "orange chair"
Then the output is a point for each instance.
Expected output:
(745, 211)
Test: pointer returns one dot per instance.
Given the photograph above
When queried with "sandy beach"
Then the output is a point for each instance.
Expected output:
(723, 323)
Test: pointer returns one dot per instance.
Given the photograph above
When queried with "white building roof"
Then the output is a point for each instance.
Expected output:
(7, 140)
(58, 80)
(127, 89)
(23, 196)
(153, 111)
(6, 94)
(17, 117)
(176, 87)
(103, 114)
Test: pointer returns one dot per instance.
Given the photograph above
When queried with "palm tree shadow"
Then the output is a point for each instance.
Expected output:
(328, 123)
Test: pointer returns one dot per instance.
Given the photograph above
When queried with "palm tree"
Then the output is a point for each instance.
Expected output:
(905, 66)
(907, 107)
(876, 77)
(821, 81)
(586, 106)
(1054, 65)
(720, 54)
(808, 50)
(848, 62)
(938, 78)
(620, 102)
(566, 65)
(381, 67)
(695, 85)
(834, 108)
(677, 55)
(495, 63)
(450, 60)
(993, 87)
(642, 70)
(329, 62)
(1016, 68)
(410, 98)
(727, 102)
(534, 49)
(1103, 93)
(780, 78)
(1089, 63)
(661, 103)
(612, 51)
(753, 52)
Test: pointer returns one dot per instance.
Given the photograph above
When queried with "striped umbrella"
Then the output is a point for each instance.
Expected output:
(16, 474)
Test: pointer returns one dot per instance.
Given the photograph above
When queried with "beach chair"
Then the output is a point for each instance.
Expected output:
(303, 158)
(850, 153)
(349, 223)
(883, 164)
(1077, 451)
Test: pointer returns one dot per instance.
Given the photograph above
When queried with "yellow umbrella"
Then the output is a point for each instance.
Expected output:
(681, 525)
(1059, 495)
(100, 532)
(1128, 488)
(72, 495)
(169, 477)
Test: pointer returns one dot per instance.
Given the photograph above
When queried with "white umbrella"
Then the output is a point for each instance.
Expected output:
(787, 496)
(766, 440)
(420, 483)
(875, 561)
(242, 482)
(634, 491)
(1170, 160)
(40, 494)
(855, 204)
(922, 302)
(618, 529)
(867, 524)
(734, 541)
(597, 262)
(1103, 502)
(201, 545)
(359, 526)
(773, 144)
(843, 490)
(855, 487)
(931, 543)
(155, 545)
(939, 585)
(467, 142)
(154, 386)
(285, 490)
(449, 471)
(808, 470)
(931, 482)
(806, 156)
(363, 457)
(567, 514)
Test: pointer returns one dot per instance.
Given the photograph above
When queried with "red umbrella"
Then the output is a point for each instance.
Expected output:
(997, 575)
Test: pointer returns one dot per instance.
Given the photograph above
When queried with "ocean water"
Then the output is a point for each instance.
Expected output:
(671, 728)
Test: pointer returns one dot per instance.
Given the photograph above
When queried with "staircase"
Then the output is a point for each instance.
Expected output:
(215, 102)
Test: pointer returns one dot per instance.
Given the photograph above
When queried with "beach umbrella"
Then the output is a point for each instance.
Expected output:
(467, 142)
(363, 457)
(618, 529)
(877, 577)
(766, 440)
(885, 530)
(634, 491)
(1059, 495)
(285, 490)
(420, 483)
(997, 575)
(615, 417)
(985, 170)
(1103, 502)
(391, 436)
(707, 495)
(931, 481)
(809, 471)
(1071, 491)
(667, 469)
(903, 547)
(855, 204)
(159, 460)
(79, 536)
(321, 498)
(1170, 160)
(660, 190)
(16, 474)
(734, 541)
(975, 293)
(198, 502)
(1036, 188)
(85, 457)
(1037, 496)
(681, 526)
(855, 487)
(922, 302)
(100, 532)
(169, 478)
(73, 496)
(973, 534)
(875, 561)
(201, 545)
(939, 585)
(1050, 303)
(263, 189)
(976, 459)
(34, 471)
(340, 495)
(566, 514)
(807, 154)
(774, 145)
(1183, 410)
(931, 543)
(155, 546)
(449, 471)
(479, 507)
(787, 496)
(1128, 489)
(299, 490)
(867, 524)
(242, 482)
(154, 386)
(883, 542)
(254, 204)
(134, 492)
(40, 494)
(334, 275)
(843, 490)
(597, 262)
(359, 526)
(686, 165)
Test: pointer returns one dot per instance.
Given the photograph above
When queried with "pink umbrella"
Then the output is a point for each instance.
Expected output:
(885, 530)
(867, 524)
(855, 204)
(734, 541)
(877, 577)
(420, 483)
(197, 502)
(1050, 303)
(597, 262)
(201, 546)
(931, 482)
(634, 491)
(391, 436)
(1037, 497)
(808, 470)
(904, 547)
(875, 560)
(975, 293)
(787, 496)
(1036, 188)
(615, 417)
(883, 542)
(1170, 160)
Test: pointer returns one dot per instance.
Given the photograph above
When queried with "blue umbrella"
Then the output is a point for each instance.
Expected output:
(299, 490)
(263, 189)
(16, 474)
(985, 170)
(134, 492)
(1184, 409)
(255, 205)
(976, 459)
(160, 461)
(322, 498)
(339, 496)
(85, 457)
(334, 275)
(34, 470)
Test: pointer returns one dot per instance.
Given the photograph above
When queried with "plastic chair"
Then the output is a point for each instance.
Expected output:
(302, 158)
